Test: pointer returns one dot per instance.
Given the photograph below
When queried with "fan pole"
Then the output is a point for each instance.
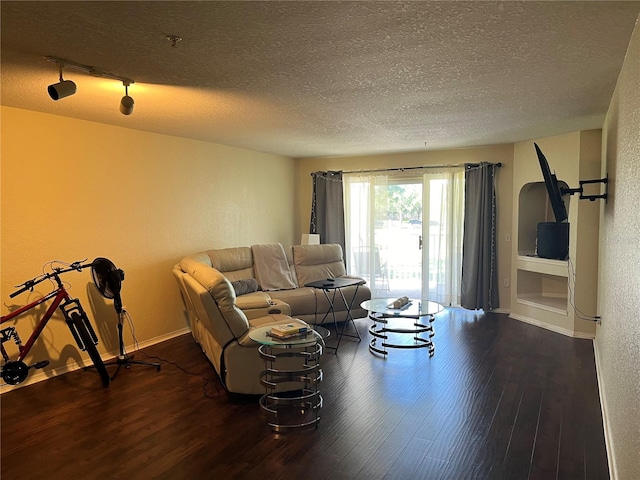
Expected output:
(122, 355)
(123, 358)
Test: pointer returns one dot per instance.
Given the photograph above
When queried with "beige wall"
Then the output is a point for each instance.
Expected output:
(618, 337)
(500, 153)
(73, 189)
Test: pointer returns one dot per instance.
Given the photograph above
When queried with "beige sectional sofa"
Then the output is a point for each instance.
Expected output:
(224, 297)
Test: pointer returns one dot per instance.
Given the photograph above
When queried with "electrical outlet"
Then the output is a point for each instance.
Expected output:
(506, 282)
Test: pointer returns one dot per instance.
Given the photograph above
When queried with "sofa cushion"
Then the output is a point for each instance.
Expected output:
(236, 263)
(315, 262)
(301, 300)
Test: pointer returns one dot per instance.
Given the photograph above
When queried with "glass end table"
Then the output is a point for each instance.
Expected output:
(298, 407)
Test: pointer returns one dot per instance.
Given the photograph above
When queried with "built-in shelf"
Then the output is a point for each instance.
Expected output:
(542, 265)
(542, 288)
(541, 282)
(544, 302)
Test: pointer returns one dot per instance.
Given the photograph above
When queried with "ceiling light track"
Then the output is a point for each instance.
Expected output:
(65, 88)
(95, 71)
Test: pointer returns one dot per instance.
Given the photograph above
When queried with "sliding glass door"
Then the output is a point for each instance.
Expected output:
(443, 198)
(404, 232)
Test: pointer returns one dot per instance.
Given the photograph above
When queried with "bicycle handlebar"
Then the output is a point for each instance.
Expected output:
(29, 284)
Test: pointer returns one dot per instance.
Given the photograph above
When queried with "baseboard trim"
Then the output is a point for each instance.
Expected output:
(608, 435)
(553, 328)
(41, 376)
(500, 310)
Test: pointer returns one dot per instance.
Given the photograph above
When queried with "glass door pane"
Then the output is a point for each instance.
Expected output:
(404, 234)
(384, 234)
(400, 241)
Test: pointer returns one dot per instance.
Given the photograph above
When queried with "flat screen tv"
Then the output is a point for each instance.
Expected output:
(553, 188)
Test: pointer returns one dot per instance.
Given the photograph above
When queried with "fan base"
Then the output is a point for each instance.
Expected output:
(127, 361)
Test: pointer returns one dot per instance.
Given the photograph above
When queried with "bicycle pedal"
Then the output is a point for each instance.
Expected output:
(40, 364)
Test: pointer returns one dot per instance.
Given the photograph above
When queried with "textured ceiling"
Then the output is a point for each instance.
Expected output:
(329, 78)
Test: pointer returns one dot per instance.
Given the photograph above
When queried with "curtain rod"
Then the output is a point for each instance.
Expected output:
(402, 169)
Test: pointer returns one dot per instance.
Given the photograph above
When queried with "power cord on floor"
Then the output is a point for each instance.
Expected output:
(572, 278)
(170, 362)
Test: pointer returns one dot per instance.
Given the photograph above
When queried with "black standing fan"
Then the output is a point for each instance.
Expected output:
(108, 279)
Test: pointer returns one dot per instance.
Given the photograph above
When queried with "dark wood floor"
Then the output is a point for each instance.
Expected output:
(500, 399)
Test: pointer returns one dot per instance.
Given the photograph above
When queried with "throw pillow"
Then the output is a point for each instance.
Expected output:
(243, 287)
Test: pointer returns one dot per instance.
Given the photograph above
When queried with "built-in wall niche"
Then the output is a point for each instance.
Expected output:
(534, 207)
(542, 290)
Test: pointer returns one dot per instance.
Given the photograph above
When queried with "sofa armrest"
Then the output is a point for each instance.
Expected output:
(354, 277)
(253, 300)
(274, 307)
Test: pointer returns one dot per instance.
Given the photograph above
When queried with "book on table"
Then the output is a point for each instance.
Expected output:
(288, 337)
(288, 330)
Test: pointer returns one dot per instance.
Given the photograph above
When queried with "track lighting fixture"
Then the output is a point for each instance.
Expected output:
(63, 88)
(127, 103)
(66, 87)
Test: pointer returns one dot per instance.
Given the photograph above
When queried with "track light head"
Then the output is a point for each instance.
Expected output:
(63, 88)
(127, 103)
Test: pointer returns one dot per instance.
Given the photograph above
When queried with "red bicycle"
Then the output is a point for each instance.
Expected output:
(15, 371)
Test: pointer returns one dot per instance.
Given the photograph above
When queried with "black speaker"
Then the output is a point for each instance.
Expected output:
(553, 240)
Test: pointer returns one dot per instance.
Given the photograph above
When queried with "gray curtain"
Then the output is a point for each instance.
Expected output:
(327, 208)
(479, 265)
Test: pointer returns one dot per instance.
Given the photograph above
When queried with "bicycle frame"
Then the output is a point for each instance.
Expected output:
(60, 295)
(15, 370)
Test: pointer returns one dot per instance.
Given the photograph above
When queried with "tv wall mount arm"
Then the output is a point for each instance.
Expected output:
(580, 189)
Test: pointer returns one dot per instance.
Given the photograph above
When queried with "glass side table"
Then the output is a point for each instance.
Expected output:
(299, 406)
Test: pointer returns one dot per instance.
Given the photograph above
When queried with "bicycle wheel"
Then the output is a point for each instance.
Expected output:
(90, 347)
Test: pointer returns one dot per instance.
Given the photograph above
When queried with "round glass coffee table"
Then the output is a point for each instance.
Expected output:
(296, 362)
(390, 324)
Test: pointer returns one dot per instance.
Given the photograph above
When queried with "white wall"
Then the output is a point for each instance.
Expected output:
(74, 189)
(618, 337)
